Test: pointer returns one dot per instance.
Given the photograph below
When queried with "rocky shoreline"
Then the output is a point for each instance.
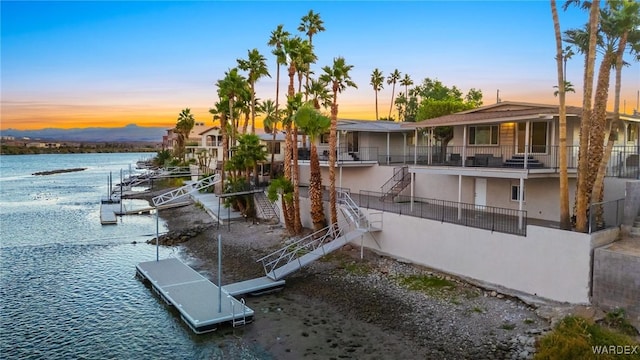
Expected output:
(347, 307)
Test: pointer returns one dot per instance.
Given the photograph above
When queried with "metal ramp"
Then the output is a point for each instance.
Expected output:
(306, 250)
(185, 190)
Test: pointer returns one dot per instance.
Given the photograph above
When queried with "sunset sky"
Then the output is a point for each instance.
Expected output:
(82, 64)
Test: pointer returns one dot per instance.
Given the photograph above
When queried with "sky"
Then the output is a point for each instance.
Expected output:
(81, 64)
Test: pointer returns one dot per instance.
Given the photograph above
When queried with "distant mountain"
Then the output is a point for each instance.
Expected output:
(128, 133)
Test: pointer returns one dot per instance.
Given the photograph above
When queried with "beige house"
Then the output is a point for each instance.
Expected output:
(484, 205)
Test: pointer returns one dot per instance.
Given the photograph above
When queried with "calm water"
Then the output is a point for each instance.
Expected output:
(67, 283)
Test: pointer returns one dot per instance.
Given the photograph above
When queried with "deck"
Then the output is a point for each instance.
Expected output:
(193, 295)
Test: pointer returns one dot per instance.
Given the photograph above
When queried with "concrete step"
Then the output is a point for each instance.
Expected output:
(635, 231)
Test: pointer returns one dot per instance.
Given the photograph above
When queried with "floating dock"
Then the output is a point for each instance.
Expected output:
(108, 210)
(194, 296)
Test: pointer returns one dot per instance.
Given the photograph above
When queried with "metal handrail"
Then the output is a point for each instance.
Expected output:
(293, 251)
(184, 190)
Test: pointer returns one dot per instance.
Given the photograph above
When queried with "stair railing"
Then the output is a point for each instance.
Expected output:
(398, 181)
(293, 251)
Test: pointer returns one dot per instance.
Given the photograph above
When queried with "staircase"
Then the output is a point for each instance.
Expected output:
(268, 209)
(517, 161)
(393, 187)
(635, 229)
(310, 248)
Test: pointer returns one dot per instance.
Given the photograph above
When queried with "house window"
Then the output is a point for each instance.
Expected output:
(324, 138)
(515, 193)
(273, 147)
(483, 135)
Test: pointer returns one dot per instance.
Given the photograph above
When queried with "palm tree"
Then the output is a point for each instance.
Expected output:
(292, 48)
(582, 196)
(393, 79)
(377, 81)
(314, 124)
(277, 37)
(565, 219)
(185, 123)
(256, 66)
(271, 119)
(305, 58)
(406, 82)
(319, 94)
(232, 88)
(339, 79)
(620, 26)
(311, 24)
(246, 155)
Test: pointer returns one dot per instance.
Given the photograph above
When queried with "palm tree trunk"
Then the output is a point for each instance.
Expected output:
(565, 220)
(582, 192)
(376, 104)
(598, 185)
(253, 108)
(297, 223)
(598, 124)
(393, 91)
(315, 190)
(273, 150)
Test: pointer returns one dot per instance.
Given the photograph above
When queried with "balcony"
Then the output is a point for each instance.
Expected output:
(623, 163)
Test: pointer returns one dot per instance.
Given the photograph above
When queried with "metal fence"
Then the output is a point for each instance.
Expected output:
(605, 215)
(491, 218)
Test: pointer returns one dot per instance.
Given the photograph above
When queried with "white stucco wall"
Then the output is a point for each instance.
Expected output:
(548, 263)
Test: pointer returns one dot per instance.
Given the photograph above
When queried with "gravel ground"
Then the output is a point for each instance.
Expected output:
(347, 307)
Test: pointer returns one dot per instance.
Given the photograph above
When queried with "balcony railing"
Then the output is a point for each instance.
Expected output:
(624, 160)
(491, 218)
(344, 154)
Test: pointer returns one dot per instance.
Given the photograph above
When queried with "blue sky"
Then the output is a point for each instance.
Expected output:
(77, 64)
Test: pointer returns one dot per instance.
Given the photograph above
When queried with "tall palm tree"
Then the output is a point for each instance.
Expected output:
(277, 37)
(311, 24)
(393, 78)
(620, 27)
(339, 79)
(377, 81)
(565, 218)
(292, 48)
(185, 123)
(271, 119)
(582, 196)
(314, 124)
(256, 66)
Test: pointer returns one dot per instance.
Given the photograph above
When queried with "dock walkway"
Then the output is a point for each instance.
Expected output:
(193, 295)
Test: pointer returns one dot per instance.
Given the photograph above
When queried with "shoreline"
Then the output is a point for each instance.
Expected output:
(345, 307)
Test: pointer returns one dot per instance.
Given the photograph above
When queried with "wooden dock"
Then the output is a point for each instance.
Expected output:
(193, 295)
